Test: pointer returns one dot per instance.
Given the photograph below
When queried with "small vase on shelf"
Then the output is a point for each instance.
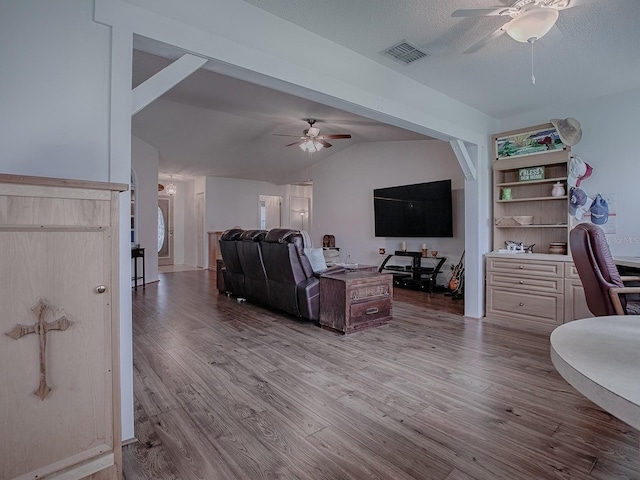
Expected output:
(558, 190)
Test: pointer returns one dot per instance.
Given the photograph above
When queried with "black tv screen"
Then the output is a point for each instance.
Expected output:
(419, 210)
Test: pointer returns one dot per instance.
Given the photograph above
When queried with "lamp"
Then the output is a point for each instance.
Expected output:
(311, 145)
(171, 188)
(532, 24)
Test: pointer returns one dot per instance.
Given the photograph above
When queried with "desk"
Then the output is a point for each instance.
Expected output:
(136, 253)
(600, 358)
(631, 262)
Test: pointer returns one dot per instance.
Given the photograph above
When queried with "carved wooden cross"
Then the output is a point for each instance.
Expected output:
(41, 328)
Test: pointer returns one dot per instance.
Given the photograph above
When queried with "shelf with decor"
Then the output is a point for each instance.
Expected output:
(531, 205)
(524, 208)
(530, 182)
(529, 199)
(537, 225)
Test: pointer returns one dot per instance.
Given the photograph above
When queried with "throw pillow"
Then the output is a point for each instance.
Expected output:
(316, 258)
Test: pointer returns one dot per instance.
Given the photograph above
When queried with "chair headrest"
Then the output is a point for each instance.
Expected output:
(253, 235)
(231, 234)
(280, 235)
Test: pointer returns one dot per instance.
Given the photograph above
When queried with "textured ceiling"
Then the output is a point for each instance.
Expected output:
(215, 125)
(597, 54)
(211, 124)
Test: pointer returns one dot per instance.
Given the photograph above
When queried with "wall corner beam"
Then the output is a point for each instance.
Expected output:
(164, 80)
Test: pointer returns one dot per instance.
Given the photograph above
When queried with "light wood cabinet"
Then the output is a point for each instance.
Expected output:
(59, 329)
(539, 290)
(533, 290)
(575, 304)
(525, 291)
(533, 197)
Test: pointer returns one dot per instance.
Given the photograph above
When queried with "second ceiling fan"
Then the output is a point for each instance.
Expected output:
(311, 140)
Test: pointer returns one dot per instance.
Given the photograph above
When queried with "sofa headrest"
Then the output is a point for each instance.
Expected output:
(231, 234)
(281, 235)
(253, 235)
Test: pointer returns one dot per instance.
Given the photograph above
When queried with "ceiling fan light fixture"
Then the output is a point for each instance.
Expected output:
(311, 146)
(532, 24)
(313, 131)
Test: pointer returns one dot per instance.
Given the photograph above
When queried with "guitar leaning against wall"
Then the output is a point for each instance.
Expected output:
(457, 278)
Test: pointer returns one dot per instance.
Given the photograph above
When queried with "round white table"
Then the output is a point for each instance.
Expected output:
(600, 357)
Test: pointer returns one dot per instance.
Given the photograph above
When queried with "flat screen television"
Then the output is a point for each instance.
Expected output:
(418, 210)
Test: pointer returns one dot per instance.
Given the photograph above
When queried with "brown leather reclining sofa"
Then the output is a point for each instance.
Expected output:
(271, 269)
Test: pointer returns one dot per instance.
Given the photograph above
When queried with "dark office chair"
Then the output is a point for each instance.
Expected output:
(603, 286)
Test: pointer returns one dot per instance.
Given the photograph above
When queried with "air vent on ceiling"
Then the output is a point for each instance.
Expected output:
(404, 52)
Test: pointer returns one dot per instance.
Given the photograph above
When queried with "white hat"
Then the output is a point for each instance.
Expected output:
(578, 171)
(568, 129)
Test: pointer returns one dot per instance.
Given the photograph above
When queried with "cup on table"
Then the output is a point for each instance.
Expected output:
(434, 253)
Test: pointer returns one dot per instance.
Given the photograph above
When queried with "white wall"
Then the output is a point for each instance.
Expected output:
(55, 106)
(610, 145)
(55, 92)
(343, 196)
(232, 202)
(144, 162)
(179, 210)
(193, 187)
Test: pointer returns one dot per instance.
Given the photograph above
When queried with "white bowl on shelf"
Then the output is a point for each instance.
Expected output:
(523, 219)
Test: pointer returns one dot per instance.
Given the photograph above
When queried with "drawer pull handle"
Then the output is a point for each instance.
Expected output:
(521, 304)
(371, 310)
(521, 282)
(521, 267)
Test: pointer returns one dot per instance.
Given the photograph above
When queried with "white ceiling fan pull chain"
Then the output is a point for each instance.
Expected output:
(533, 78)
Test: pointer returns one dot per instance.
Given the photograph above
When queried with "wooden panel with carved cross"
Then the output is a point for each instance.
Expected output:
(59, 337)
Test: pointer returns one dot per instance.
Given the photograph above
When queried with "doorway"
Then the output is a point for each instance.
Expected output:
(165, 231)
(270, 211)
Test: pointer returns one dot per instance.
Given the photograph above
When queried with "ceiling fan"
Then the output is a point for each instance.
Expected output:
(311, 140)
(530, 20)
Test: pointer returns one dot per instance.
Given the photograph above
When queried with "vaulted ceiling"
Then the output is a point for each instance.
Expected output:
(214, 125)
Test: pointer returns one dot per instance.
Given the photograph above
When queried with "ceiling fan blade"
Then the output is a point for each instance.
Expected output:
(576, 3)
(324, 143)
(481, 12)
(552, 37)
(330, 137)
(300, 142)
(488, 39)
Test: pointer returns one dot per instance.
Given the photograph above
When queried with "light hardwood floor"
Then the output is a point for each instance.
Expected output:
(232, 391)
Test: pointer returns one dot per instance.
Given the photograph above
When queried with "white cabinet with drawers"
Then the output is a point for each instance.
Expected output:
(538, 291)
